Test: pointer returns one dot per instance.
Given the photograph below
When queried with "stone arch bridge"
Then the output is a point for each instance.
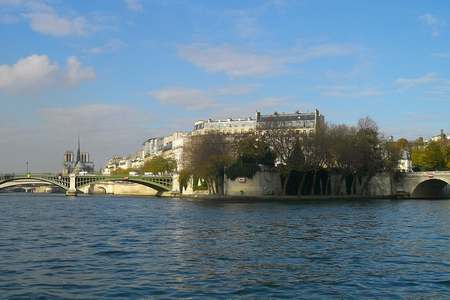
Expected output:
(424, 185)
(73, 184)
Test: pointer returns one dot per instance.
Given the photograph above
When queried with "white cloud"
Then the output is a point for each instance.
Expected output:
(37, 72)
(228, 60)
(248, 109)
(234, 90)
(110, 46)
(44, 19)
(434, 23)
(76, 73)
(432, 85)
(407, 83)
(191, 99)
(84, 117)
(342, 91)
(238, 63)
(322, 51)
(54, 25)
(134, 5)
(28, 73)
(195, 99)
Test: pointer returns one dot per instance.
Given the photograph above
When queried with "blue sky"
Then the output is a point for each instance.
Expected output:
(120, 71)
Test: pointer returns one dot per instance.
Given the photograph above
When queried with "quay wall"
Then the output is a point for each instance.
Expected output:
(118, 188)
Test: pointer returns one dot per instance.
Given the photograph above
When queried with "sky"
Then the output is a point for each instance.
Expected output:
(118, 72)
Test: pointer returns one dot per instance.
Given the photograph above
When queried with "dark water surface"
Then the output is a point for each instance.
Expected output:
(52, 247)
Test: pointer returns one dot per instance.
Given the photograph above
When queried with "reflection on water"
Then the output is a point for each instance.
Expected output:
(89, 247)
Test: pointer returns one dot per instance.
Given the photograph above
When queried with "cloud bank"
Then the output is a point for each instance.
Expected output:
(37, 72)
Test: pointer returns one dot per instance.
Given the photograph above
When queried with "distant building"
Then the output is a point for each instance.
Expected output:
(440, 137)
(228, 126)
(304, 122)
(171, 146)
(77, 163)
(152, 146)
(112, 165)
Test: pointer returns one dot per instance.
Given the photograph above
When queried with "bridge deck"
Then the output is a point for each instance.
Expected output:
(160, 183)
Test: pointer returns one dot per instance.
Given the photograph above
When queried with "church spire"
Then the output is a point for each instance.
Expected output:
(78, 150)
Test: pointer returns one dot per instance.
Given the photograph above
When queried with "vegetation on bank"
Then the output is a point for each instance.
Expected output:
(433, 156)
(154, 165)
(305, 162)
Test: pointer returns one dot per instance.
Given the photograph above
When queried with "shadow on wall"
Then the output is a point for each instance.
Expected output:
(432, 189)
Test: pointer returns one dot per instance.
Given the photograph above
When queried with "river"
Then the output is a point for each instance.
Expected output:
(54, 247)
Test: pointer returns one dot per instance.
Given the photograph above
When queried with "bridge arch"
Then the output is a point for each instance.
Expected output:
(159, 188)
(22, 181)
(433, 188)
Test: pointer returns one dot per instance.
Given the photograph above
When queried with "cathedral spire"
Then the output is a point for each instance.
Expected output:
(78, 150)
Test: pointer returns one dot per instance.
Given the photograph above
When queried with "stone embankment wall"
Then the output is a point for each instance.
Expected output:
(262, 184)
(269, 183)
(119, 188)
(382, 185)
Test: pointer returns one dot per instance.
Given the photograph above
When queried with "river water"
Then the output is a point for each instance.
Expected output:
(54, 247)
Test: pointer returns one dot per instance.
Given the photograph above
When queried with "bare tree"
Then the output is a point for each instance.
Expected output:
(286, 144)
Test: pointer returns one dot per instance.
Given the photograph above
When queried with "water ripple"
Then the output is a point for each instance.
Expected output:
(139, 248)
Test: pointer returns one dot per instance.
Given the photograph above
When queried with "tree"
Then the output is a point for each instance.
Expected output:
(250, 151)
(431, 157)
(369, 159)
(392, 152)
(342, 153)
(121, 172)
(402, 144)
(206, 157)
(286, 146)
(160, 165)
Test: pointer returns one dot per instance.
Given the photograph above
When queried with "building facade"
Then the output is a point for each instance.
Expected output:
(152, 146)
(171, 146)
(228, 126)
(305, 122)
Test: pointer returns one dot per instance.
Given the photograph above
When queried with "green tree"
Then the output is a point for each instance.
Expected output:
(121, 172)
(160, 165)
(431, 157)
(434, 157)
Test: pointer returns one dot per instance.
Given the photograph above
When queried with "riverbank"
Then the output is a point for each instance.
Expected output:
(287, 197)
(243, 198)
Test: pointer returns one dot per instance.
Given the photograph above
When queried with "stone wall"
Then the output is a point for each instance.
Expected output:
(263, 183)
(381, 185)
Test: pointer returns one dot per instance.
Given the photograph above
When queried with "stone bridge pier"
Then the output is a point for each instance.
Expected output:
(72, 191)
